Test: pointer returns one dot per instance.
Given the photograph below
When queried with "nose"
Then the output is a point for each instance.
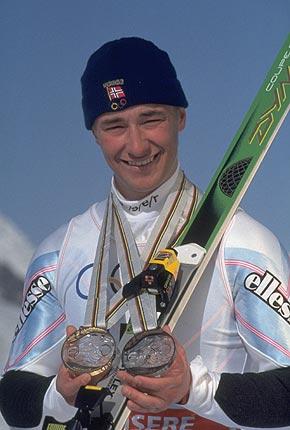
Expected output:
(136, 144)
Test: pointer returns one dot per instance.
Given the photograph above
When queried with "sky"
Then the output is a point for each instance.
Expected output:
(50, 167)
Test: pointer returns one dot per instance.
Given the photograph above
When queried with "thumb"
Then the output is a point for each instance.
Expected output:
(70, 330)
(167, 329)
(80, 381)
(85, 379)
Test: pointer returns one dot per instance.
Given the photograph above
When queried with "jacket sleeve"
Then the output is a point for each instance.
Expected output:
(256, 270)
(251, 400)
(34, 357)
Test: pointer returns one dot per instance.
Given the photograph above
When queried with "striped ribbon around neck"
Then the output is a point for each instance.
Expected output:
(117, 233)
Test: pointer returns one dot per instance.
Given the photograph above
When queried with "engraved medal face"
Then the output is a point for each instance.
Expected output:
(149, 353)
(89, 350)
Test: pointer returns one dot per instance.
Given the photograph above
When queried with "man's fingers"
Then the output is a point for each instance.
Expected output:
(68, 385)
(140, 401)
(135, 407)
(146, 384)
(81, 380)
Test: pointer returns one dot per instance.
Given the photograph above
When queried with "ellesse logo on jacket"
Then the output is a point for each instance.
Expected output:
(266, 288)
(37, 289)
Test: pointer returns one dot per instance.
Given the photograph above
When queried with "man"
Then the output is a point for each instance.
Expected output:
(135, 107)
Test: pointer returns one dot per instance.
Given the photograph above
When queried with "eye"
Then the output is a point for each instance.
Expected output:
(152, 121)
(116, 127)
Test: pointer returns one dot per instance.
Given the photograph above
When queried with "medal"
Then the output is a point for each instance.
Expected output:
(89, 350)
(149, 353)
(92, 349)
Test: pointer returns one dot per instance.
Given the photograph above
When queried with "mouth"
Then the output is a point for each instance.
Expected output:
(141, 163)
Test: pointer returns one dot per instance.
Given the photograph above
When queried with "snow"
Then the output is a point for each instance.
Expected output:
(15, 248)
(15, 253)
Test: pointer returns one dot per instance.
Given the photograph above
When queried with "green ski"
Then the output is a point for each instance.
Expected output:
(229, 185)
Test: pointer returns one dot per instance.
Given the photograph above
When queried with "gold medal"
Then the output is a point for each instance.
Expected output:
(89, 350)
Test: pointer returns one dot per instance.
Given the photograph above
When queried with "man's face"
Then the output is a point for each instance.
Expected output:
(140, 145)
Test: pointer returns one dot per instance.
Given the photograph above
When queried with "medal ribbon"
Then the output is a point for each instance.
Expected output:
(116, 227)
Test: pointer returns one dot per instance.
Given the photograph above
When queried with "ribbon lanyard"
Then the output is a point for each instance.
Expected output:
(116, 234)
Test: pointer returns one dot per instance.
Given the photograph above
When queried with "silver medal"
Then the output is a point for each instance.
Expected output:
(149, 353)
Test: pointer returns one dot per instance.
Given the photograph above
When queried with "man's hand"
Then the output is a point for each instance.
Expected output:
(67, 384)
(155, 394)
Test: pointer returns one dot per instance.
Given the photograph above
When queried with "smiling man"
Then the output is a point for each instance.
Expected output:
(140, 145)
(134, 105)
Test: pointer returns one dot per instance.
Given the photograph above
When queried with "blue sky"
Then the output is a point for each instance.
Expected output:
(50, 167)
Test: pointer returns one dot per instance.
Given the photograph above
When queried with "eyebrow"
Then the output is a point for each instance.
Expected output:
(111, 121)
(150, 113)
(116, 120)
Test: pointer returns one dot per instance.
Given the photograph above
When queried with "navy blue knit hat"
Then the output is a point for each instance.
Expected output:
(128, 72)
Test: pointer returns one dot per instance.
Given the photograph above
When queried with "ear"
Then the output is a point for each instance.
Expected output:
(181, 119)
(95, 136)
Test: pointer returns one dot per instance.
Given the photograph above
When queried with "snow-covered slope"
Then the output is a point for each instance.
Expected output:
(15, 253)
(15, 248)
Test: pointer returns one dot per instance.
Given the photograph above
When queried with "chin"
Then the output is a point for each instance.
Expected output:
(149, 185)
(136, 190)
